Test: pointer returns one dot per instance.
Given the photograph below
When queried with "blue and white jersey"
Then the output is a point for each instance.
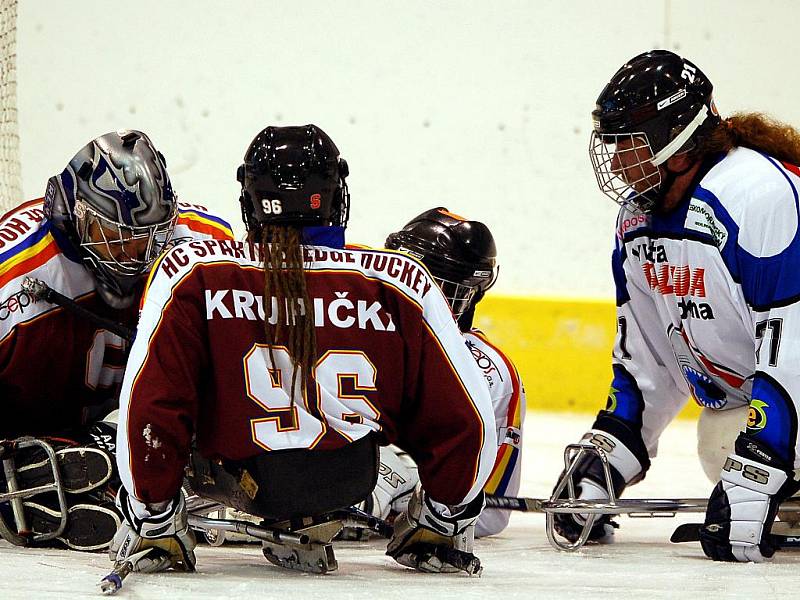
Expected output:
(708, 301)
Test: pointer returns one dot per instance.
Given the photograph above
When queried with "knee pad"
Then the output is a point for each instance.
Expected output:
(717, 431)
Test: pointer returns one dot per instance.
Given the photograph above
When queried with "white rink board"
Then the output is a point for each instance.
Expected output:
(518, 564)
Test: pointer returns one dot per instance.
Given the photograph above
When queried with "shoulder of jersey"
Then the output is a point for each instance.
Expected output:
(482, 349)
(28, 249)
(760, 196)
(478, 339)
(196, 222)
(25, 241)
(352, 246)
(629, 220)
(394, 267)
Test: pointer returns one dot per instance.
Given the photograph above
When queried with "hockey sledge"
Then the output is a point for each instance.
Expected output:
(16, 494)
(571, 504)
(298, 544)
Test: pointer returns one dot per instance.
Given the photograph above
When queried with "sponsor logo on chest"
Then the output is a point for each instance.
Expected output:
(680, 280)
(16, 303)
(695, 310)
(684, 281)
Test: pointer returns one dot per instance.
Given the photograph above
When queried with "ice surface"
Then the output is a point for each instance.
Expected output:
(519, 563)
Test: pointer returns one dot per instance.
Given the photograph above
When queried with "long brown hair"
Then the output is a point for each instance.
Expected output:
(285, 280)
(756, 131)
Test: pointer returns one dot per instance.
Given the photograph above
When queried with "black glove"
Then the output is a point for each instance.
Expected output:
(742, 506)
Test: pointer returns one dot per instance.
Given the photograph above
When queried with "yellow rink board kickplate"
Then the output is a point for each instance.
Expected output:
(561, 347)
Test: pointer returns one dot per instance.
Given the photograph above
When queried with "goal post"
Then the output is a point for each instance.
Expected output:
(10, 180)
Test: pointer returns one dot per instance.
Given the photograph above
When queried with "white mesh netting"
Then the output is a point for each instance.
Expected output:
(10, 182)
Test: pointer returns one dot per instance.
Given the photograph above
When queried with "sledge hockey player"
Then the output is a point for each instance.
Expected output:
(705, 265)
(91, 240)
(461, 256)
(289, 358)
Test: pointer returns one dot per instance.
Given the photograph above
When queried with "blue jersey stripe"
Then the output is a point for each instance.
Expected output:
(28, 242)
(217, 220)
(510, 467)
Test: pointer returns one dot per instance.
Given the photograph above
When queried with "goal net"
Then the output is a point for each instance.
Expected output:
(10, 181)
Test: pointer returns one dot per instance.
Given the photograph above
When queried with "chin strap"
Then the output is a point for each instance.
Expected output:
(655, 198)
(663, 155)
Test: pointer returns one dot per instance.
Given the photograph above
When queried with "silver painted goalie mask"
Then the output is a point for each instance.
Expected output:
(115, 203)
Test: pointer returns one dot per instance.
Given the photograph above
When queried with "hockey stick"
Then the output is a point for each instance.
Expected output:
(112, 583)
(350, 516)
(39, 290)
(690, 532)
(514, 503)
(643, 507)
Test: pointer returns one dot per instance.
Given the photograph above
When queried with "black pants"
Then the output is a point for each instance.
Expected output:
(287, 484)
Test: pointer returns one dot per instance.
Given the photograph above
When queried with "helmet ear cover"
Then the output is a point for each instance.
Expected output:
(293, 176)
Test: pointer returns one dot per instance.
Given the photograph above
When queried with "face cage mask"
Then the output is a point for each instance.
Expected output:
(113, 250)
(458, 295)
(342, 215)
(634, 181)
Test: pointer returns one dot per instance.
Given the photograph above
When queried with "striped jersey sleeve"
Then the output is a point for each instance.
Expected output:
(196, 222)
(508, 400)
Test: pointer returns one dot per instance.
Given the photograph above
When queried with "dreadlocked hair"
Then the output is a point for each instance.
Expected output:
(756, 131)
(286, 292)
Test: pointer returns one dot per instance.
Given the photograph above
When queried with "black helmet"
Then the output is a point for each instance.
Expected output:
(115, 205)
(460, 254)
(293, 176)
(659, 104)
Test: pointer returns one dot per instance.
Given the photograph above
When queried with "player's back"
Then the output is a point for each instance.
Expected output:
(387, 346)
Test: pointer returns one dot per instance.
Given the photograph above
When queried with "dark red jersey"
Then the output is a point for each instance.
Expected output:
(57, 367)
(390, 360)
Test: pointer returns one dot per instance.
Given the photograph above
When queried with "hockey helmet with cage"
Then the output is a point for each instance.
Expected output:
(460, 254)
(293, 176)
(115, 203)
(656, 105)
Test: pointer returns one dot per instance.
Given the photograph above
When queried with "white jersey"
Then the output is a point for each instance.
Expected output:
(707, 300)
(508, 401)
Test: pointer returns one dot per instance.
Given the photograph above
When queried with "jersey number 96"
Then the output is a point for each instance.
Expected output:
(344, 379)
